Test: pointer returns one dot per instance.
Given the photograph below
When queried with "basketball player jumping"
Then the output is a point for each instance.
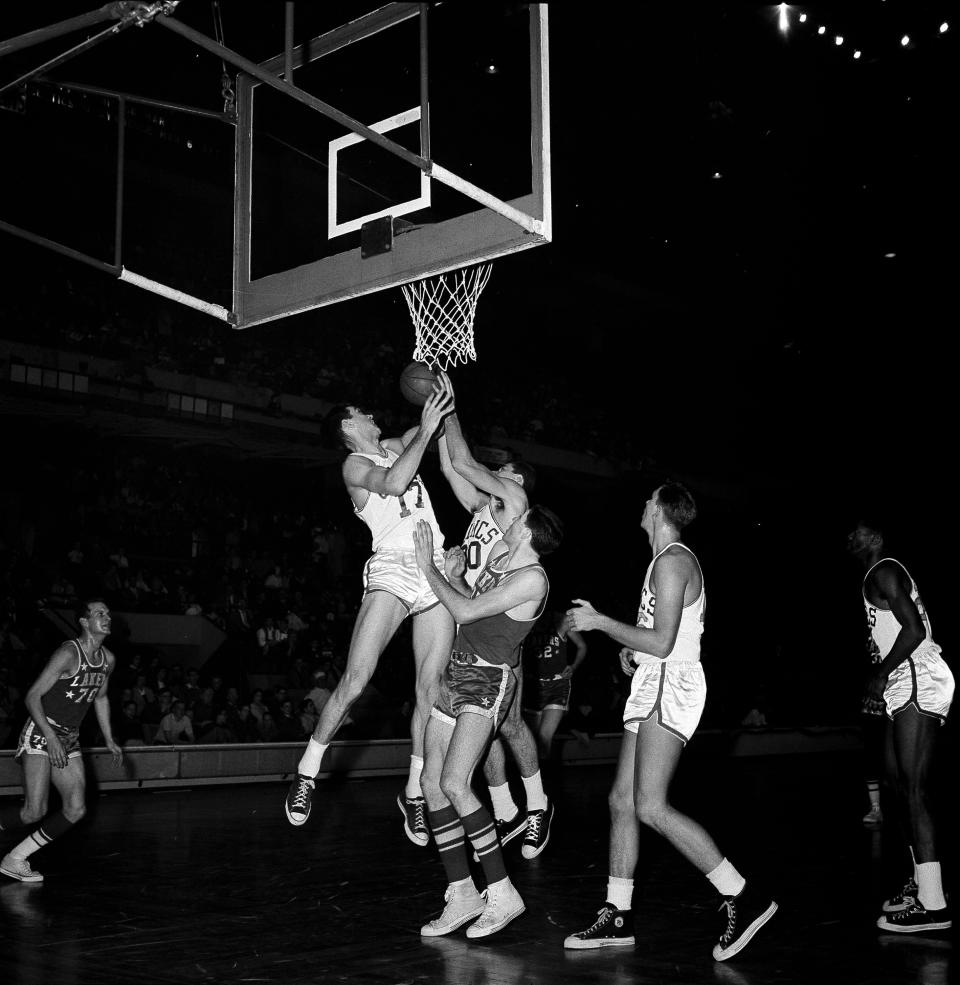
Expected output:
(478, 686)
(74, 678)
(667, 694)
(389, 496)
(495, 500)
(916, 686)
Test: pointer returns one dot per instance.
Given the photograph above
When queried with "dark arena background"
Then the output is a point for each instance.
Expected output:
(747, 288)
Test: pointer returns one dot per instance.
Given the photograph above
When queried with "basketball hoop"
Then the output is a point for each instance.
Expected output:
(442, 309)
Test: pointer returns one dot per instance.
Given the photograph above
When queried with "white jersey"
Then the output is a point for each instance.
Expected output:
(392, 519)
(884, 625)
(687, 646)
(478, 542)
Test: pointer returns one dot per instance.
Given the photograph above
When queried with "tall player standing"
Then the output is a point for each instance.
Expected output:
(667, 696)
(381, 478)
(74, 678)
(915, 686)
(494, 500)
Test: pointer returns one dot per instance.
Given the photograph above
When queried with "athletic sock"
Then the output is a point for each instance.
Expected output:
(504, 809)
(310, 761)
(10, 819)
(726, 879)
(52, 827)
(620, 892)
(930, 885)
(873, 792)
(413, 778)
(449, 837)
(536, 798)
(482, 832)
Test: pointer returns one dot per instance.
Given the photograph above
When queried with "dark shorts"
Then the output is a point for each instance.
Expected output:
(34, 743)
(539, 695)
(471, 684)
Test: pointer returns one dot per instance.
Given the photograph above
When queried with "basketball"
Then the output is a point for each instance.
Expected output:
(417, 382)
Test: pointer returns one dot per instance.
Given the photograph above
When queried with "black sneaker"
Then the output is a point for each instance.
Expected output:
(745, 916)
(508, 830)
(915, 919)
(612, 928)
(299, 799)
(538, 831)
(414, 811)
(903, 900)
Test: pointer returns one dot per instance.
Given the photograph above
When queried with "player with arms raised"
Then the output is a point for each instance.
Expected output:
(381, 478)
(494, 500)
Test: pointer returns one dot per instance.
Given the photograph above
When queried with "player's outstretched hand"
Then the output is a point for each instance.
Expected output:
(583, 617)
(626, 661)
(438, 405)
(454, 563)
(423, 545)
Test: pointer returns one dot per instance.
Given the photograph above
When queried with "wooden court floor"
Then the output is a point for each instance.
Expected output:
(213, 885)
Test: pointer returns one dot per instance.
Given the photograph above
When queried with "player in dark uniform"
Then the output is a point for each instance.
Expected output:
(548, 676)
(74, 678)
(476, 691)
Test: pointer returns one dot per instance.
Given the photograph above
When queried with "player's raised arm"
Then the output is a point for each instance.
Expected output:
(468, 495)
(476, 473)
(360, 473)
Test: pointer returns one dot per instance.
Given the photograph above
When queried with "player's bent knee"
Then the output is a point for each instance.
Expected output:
(454, 789)
(620, 801)
(651, 815)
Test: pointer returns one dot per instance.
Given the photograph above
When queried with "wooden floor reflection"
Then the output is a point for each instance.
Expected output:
(213, 885)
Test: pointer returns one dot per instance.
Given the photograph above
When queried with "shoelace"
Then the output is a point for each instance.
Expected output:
(603, 916)
(909, 892)
(533, 826)
(419, 817)
(300, 797)
(731, 920)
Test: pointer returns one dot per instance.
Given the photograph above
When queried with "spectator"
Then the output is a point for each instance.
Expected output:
(204, 715)
(268, 728)
(129, 730)
(289, 727)
(319, 694)
(308, 716)
(257, 706)
(176, 727)
(220, 732)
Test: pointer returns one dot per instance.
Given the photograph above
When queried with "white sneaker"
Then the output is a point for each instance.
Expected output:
(19, 868)
(874, 817)
(456, 913)
(503, 905)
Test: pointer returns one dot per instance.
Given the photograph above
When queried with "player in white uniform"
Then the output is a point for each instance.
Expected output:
(916, 686)
(389, 496)
(662, 652)
(495, 500)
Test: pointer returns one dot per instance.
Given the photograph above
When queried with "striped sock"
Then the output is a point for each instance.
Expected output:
(52, 827)
(449, 838)
(482, 833)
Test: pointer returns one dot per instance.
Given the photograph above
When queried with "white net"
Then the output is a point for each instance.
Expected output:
(442, 309)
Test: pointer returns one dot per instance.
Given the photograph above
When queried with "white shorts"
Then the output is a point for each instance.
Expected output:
(673, 693)
(397, 573)
(923, 680)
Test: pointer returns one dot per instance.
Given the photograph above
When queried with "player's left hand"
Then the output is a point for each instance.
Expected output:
(455, 563)
(423, 545)
(584, 617)
(117, 752)
(567, 672)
